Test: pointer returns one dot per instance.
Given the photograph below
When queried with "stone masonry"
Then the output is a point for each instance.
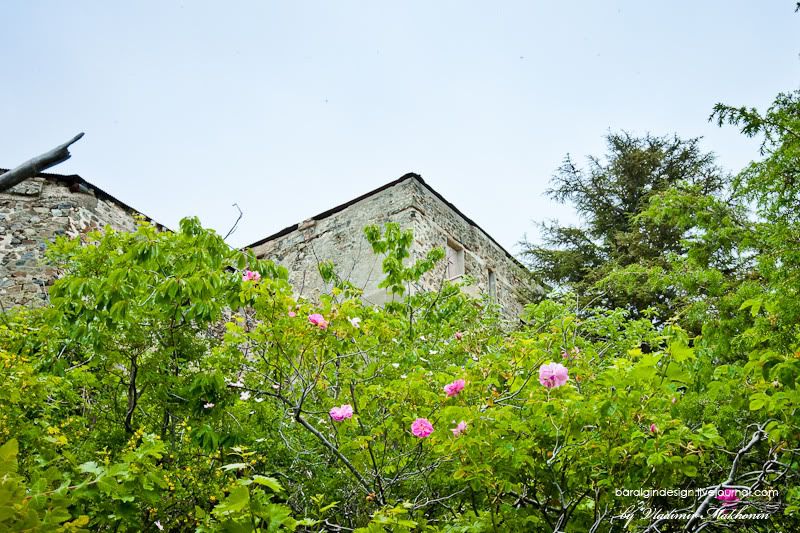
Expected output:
(337, 235)
(35, 212)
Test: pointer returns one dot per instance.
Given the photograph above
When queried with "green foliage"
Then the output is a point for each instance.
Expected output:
(20, 511)
(163, 389)
(395, 244)
(610, 194)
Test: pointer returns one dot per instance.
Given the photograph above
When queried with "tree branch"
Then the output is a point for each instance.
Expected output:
(375, 469)
(235, 224)
(363, 482)
(36, 165)
(757, 437)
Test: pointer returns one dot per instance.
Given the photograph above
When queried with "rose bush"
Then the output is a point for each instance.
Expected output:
(173, 383)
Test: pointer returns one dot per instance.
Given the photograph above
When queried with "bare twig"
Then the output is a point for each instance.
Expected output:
(303, 422)
(757, 437)
(437, 500)
(235, 224)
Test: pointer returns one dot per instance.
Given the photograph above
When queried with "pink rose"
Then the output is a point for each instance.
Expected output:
(728, 497)
(454, 388)
(318, 320)
(342, 412)
(249, 275)
(459, 429)
(459, 335)
(421, 427)
(653, 428)
(553, 375)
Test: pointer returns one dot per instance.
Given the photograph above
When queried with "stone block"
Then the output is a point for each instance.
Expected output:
(32, 217)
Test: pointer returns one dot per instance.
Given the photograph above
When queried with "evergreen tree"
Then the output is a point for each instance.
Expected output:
(609, 194)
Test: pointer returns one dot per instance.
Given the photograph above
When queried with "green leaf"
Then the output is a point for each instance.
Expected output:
(753, 303)
(680, 352)
(237, 500)
(8, 457)
(269, 482)
(233, 466)
(91, 468)
(756, 404)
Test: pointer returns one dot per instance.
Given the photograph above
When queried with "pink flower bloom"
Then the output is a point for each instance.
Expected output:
(553, 375)
(342, 412)
(459, 335)
(318, 320)
(459, 429)
(728, 497)
(291, 314)
(421, 427)
(454, 388)
(249, 275)
(653, 428)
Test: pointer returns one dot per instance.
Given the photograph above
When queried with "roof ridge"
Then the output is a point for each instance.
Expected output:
(75, 179)
(404, 177)
(340, 207)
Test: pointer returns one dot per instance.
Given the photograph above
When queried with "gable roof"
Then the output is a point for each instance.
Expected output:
(74, 182)
(401, 179)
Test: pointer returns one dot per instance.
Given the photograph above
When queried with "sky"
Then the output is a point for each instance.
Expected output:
(290, 108)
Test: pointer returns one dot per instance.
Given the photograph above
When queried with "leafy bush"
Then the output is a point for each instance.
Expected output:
(176, 384)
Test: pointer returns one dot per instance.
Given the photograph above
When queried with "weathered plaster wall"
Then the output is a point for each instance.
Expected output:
(34, 213)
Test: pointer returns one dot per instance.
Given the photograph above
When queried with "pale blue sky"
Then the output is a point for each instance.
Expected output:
(291, 108)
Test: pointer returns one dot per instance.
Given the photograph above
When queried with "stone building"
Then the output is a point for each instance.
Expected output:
(37, 210)
(337, 235)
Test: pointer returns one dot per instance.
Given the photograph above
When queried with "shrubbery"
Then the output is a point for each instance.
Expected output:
(173, 383)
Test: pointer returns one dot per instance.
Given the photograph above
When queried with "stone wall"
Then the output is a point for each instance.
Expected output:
(37, 210)
(439, 223)
(338, 236)
(34, 213)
